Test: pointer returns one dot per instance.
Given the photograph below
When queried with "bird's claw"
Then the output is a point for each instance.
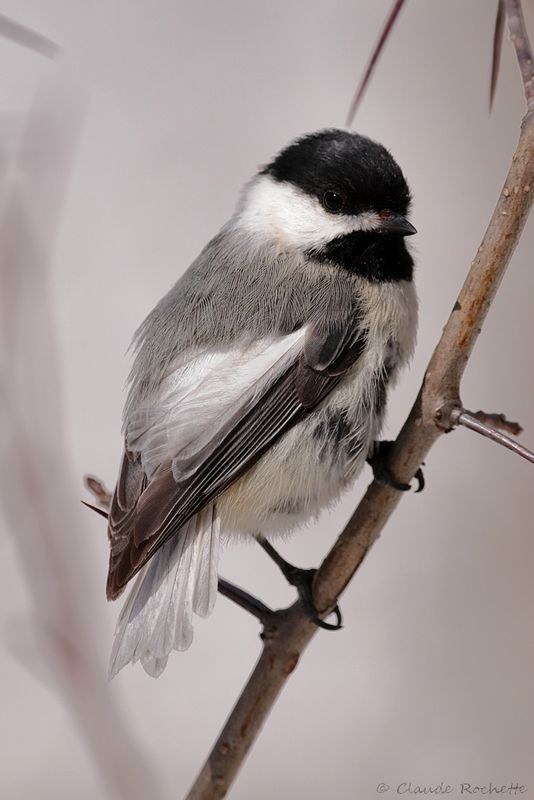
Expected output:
(382, 473)
(302, 580)
(420, 478)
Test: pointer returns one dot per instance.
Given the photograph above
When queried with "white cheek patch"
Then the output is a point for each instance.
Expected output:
(275, 209)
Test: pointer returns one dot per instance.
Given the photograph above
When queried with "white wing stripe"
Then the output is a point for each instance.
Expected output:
(197, 400)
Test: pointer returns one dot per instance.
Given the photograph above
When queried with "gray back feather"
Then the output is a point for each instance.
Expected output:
(236, 291)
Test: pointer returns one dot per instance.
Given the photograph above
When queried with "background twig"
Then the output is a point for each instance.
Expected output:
(375, 55)
(36, 489)
(496, 52)
(22, 35)
(519, 37)
(98, 490)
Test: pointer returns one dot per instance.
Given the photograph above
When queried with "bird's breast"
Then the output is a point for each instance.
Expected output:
(315, 461)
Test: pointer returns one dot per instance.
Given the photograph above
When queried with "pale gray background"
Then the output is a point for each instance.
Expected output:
(431, 678)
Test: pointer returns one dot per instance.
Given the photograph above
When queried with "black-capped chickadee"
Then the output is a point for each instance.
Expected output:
(259, 382)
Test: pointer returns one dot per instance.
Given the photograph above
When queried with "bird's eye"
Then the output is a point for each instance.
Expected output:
(333, 201)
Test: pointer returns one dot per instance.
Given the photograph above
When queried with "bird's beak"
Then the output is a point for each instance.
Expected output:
(395, 223)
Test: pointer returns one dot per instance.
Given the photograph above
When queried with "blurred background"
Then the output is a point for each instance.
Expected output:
(170, 106)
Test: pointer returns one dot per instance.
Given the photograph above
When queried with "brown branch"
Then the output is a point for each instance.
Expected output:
(289, 631)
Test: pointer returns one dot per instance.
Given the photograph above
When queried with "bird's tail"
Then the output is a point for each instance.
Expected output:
(181, 578)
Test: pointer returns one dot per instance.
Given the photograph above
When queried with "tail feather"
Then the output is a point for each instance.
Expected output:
(180, 579)
(205, 591)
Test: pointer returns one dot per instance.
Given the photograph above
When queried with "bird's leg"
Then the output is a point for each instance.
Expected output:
(382, 474)
(245, 600)
(302, 580)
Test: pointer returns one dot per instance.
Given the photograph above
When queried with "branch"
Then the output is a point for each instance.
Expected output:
(477, 422)
(289, 631)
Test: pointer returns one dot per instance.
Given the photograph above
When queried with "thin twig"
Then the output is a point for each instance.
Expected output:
(375, 55)
(291, 631)
(519, 37)
(98, 490)
(96, 509)
(498, 35)
(20, 34)
(498, 421)
(469, 420)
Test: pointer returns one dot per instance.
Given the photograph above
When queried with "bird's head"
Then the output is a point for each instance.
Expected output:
(338, 197)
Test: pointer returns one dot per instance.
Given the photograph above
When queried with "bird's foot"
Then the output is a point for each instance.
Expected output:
(382, 473)
(302, 580)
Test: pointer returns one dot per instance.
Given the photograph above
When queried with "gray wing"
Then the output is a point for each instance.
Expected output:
(144, 514)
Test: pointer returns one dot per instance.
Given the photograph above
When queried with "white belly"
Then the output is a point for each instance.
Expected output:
(311, 465)
(307, 469)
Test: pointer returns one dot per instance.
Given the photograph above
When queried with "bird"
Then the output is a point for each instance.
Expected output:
(259, 381)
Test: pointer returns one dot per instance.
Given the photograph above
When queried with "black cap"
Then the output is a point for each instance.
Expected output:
(362, 171)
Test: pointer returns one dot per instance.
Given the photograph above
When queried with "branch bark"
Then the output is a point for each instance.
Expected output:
(288, 632)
